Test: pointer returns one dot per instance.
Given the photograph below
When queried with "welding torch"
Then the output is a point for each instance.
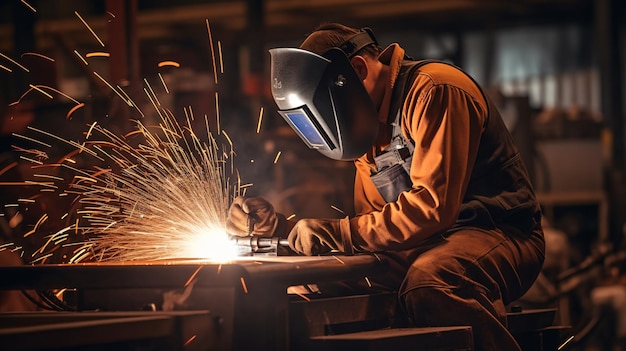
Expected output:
(257, 245)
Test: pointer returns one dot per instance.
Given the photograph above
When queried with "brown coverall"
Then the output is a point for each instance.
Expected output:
(466, 239)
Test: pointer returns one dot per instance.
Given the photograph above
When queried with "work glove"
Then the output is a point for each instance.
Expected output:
(320, 236)
(254, 216)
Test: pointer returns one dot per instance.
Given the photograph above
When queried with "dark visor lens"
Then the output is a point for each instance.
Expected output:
(308, 128)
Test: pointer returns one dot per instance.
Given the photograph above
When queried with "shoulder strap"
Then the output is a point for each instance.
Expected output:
(403, 83)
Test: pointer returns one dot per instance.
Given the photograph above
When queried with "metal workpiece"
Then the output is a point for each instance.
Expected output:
(276, 271)
(249, 295)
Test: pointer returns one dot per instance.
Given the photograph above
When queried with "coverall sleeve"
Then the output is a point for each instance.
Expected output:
(445, 122)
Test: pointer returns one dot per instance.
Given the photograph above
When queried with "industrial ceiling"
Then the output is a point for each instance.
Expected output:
(282, 19)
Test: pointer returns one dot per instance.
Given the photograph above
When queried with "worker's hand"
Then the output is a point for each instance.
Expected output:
(254, 216)
(320, 236)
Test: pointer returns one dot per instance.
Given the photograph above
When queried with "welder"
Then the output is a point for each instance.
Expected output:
(440, 188)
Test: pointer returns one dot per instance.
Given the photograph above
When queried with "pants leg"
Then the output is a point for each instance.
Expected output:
(467, 278)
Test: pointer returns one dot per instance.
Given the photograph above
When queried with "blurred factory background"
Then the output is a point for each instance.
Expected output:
(556, 67)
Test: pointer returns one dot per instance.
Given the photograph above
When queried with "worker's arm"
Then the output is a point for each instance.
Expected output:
(446, 123)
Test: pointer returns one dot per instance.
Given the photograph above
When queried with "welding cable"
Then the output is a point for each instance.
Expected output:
(56, 303)
(37, 302)
(45, 298)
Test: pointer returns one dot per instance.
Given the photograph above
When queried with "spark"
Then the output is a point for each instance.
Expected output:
(90, 130)
(338, 259)
(132, 103)
(5, 246)
(88, 27)
(152, 93)
(73, 109)
(40, 88)
(81, 58)
(39, 222)
(158, 192)
(42, 258)
(219, 50)
(41, 91)
(163, 82)
(31, 160)
(59, 294)
(168, 63)
(566, 342)
(188, 114)
(304, 297)
(208, 27)
(191, 339)
(31, 139)
(8, 167)
(277, 156)
(337, 209)
(6, 68)
(369, 284)
(47, 176)
(38, 55)
(14, 62)
(110, 86)
(164, 196)
(28, 5)
(217, 111)
(193, 276)
(243, 285)
(292, 216)
(258, 125)
(230, 142)
(72, 143)
(97, 54)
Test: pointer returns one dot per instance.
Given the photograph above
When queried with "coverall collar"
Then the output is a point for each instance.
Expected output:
(392, 56)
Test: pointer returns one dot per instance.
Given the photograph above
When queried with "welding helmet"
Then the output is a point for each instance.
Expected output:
(323, 100)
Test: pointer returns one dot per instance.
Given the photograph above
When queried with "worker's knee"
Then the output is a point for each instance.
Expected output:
(442, 271)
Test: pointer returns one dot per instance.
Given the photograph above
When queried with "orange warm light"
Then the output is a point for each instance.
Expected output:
(169, 63)
(97, 54)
